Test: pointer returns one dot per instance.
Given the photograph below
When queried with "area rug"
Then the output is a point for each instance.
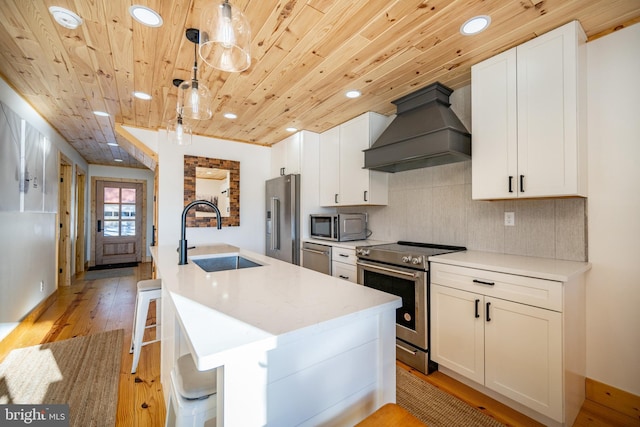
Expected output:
(82, 372)
(435, 407)
(107, 274)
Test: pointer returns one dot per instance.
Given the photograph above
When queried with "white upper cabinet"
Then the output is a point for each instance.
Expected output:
(528, 110)
(343, 181)
(298, 154)
(329, 167)
(285, 155)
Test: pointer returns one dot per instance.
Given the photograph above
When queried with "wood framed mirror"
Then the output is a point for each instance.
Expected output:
(217, 181)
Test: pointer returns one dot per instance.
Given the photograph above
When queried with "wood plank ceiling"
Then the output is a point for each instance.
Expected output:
(305, 55)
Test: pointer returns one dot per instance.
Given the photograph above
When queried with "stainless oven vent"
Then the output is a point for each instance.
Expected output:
(425, 132)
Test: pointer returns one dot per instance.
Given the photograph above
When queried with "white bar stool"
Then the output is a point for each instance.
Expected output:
(148, 290)
(192, 398)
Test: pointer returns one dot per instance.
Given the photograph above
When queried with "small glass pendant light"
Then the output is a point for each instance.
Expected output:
(225, 41)
(194, 100)
(179, 132)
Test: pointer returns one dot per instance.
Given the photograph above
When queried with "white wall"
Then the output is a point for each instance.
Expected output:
(28, 253)
(613, 284)
(254, 171)
(126, 173)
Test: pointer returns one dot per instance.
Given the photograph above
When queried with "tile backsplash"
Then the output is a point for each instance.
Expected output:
(434, 205)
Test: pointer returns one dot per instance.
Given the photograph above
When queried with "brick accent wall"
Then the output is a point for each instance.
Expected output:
(190, 164)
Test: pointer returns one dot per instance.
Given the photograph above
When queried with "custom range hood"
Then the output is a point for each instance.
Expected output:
(425, 132)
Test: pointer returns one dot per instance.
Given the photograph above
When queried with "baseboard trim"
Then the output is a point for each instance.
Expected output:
(27, 322)
(613, 398)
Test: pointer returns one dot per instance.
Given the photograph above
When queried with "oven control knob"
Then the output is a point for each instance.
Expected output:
(416, 261)
(363, 252)
(406, 259)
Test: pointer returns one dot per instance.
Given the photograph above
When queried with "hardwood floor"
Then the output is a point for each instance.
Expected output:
(91, 306)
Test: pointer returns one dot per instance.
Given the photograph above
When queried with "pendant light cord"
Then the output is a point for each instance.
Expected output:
(194, 84)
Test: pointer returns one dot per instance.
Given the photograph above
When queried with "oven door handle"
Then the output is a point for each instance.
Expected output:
(386, 269)
(401, 347)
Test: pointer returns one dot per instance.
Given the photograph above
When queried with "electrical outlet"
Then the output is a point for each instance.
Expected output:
(42, 286)
(510, 219)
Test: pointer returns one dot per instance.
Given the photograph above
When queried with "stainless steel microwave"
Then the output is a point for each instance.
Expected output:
(339, 227)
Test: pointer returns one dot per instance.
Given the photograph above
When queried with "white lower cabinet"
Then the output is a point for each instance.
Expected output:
(343, 264)
(457, 335)
(505, 333)
(523, 354)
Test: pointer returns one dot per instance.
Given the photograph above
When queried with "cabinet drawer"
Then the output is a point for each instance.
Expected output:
(347, 256)
(526, 290)
(344, 271)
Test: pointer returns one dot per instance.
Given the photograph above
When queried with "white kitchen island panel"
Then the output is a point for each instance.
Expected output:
(292, 346)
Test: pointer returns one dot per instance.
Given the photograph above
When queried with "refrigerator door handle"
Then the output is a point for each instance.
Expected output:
(275, 223)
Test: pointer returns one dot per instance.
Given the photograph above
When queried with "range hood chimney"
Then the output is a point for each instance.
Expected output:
(425, 132)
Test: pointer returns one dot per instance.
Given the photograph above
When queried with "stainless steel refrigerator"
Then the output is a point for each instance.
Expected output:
(283, 218)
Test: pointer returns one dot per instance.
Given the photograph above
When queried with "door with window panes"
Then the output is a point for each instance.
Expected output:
(118, 234)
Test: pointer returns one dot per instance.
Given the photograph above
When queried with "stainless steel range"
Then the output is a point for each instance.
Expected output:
(402, 269)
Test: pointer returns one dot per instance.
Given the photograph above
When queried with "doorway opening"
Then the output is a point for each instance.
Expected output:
(81, 182)
(64, 221)
(118, 221)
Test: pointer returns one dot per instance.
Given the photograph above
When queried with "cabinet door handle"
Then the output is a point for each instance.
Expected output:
(522, 183)
(344, 277)
(281, 171)
(477, 308)
(366, 193)
(510, 184)
(344, 255)
(336, 198)
(488, 318)
(483, 282)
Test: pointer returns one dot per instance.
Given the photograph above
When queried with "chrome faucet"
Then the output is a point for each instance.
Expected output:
(182, 248)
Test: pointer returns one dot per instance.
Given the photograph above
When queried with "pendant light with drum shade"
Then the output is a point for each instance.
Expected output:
(225, 39)
(178, 131)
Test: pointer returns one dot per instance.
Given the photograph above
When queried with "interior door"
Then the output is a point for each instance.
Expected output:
(118, 232)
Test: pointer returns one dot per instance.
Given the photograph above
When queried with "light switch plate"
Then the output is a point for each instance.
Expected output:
(510, 219)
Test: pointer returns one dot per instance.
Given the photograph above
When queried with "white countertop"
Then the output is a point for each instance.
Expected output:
(542, 268)
(254, 306)
(347, 245)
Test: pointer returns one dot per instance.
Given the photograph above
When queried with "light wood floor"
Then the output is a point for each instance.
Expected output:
(91, 306)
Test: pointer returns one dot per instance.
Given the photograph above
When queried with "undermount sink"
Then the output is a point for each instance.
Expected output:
(224, 262)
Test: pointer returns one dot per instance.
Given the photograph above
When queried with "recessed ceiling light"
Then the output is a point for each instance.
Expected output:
(475, 25)
(117, 160)
(113, 144)
(353, 94)
(101, 113)
(65, 17)
(291, 129)
(145, 15)
(142, 95)
(230, 116)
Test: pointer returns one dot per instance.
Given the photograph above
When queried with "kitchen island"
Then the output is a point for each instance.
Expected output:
(292, 346)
